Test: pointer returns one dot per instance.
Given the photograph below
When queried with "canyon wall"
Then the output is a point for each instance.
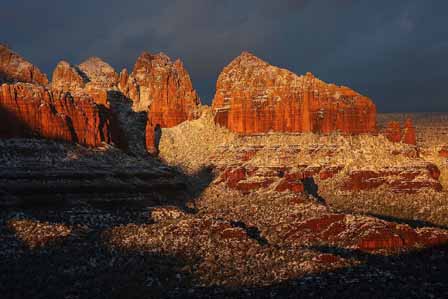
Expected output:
(29, 110)
(63, 110)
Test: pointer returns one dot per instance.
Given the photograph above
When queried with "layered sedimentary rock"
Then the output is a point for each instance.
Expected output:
(29, 110)
(14, 68)
(240, 169)
(161, 87)
(255, 97)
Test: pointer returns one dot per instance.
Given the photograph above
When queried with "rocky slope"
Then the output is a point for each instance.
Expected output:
(345, 171)
(45, 172)
(255, 97)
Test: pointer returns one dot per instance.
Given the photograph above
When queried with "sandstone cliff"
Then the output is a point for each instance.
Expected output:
(29, 110)
(162, 87)
(14, 68)
(255, 97)
(67, 77)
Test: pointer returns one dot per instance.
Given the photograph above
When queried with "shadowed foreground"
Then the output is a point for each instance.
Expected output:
(73, 253)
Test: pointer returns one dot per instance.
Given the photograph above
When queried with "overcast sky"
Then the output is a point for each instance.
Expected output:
(395, 51)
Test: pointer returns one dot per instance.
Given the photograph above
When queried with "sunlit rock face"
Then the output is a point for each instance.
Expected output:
(99, 73)
(28, 110)
(94, 77)
(99, 81)
(253, 96)
(161, 87)
(67, 77)
(14, 68)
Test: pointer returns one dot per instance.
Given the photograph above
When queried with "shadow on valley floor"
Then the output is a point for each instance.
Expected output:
(312, 189)
(83, 265)
(418, 274)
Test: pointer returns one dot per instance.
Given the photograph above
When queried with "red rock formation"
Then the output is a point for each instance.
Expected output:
(14, 68)
(34, 110)
(363, 233)
(152, 132)
(409, 134)
(255, 97)
(67, 77)
(94, 77)
(99, 81)
(443, 152)
(99, 73)
(394, 133)
(161, 87)
(400, 180)
(239, 170)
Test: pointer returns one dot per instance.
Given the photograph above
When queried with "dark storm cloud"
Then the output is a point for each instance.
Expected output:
(393, 51)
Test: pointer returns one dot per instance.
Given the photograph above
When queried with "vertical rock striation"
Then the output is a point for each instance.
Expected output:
(253, 96)
(30, 110)
(161, 87)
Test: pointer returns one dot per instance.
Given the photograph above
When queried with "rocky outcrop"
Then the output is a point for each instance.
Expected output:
(161, 87)
(152, 138)
(241, 169)
(399, 180)
(99, 73)
(99, 81)
(255, 97)
(14, 68)
(407, 135)
(362, 233)
(67, 77)
(393, 131)
(30, 110)
(443, 152)
(94, 77)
